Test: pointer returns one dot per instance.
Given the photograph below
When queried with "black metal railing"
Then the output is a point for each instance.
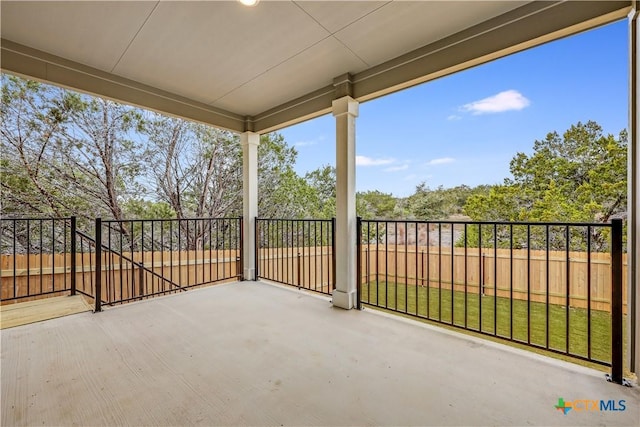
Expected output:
(136, 258)
(297, 252)
(553, 286)
(34, 257)
(146, 258)
(85, 260)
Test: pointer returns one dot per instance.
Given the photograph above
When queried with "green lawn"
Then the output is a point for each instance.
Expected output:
(403, 299)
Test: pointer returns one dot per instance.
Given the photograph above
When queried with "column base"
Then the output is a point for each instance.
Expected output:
(346, 300)
(249, 274)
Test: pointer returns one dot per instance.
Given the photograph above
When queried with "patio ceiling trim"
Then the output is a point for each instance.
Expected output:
(35, 64)
(530, 25)
(527, 26)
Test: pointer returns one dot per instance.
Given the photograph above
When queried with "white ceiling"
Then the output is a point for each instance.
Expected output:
(232, 57)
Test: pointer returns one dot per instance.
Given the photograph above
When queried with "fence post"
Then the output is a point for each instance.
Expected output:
(482, 270)
(359, 262)
(367, 266)
(422, 269)
(333, 252)
(73, 255)
(256, 229)
(240, 259)
(98, 272)
(298, 275)
(140, 278)
(617, 349)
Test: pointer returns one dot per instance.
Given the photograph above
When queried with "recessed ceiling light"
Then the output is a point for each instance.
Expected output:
(249, 2)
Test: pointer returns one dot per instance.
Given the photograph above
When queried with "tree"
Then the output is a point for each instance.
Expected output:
(440, 203)
(282, 193)
(31, 120)
(65, 153)
(579, 177)
(376, 204)
(323, 184)
(370, 204)
(198, 169)
(98, 157)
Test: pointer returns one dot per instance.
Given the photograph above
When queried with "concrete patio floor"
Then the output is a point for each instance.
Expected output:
(251, 353)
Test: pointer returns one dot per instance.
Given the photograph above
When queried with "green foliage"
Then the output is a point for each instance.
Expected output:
(64, 153)
(579, 177)
(441, 203)
(282, 193)
(146, 209)
(377, 205)
(69, 154)
(322, 182)
(369, 204)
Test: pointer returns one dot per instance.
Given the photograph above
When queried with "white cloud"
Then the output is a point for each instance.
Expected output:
(504, 101)
(454, 117)
(368, 161)
(397, 168)
(308, 142)
(440, 161)
(305, 143)
(417, 178)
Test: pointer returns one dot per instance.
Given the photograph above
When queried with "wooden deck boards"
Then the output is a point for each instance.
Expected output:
(43, 309)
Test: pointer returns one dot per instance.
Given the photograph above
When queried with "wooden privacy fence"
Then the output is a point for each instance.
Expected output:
(297, 252)
(124, 277)
(23, 276)
(519, 272)
(309, 267)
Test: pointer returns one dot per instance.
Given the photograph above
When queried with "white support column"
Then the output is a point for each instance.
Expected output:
(250, 142)
(345, 110)
(633, 198)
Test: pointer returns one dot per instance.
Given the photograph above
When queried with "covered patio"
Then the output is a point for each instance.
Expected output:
(250, 353)
(253, 353)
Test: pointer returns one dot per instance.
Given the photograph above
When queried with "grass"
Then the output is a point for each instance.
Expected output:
(508, 320)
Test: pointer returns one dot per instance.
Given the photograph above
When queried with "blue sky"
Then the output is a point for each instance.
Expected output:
(466, 127)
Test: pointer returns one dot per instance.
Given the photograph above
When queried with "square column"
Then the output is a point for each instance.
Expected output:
(249, 142)
(345, 110)
(633, 198)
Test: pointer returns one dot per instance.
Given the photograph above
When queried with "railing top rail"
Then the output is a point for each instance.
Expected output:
(456, 222)
(86, 236)
(35, 218)
(112, 221)
(296, 219)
